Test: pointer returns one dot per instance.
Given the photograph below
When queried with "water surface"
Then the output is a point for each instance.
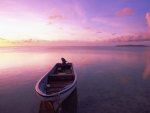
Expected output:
(110, 79)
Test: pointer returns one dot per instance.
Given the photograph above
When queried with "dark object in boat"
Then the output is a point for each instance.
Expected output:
(58, 83)
(63, 61)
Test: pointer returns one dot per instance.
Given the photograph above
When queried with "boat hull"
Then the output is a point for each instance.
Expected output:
(58, 96)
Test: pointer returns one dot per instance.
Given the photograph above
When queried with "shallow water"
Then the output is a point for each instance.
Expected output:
(110, 79)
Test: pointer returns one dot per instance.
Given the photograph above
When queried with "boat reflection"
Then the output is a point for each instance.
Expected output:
(67, 106)
(146, 73)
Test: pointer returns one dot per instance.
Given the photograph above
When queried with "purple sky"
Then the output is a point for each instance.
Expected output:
(75, 20)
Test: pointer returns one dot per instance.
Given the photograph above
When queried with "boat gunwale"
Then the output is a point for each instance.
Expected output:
(70, 86)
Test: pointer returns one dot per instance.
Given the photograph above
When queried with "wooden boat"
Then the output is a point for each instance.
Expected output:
(58, 83)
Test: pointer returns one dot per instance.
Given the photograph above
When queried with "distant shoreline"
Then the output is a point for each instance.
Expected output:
(131, 46)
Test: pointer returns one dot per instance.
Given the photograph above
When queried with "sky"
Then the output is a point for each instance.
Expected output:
(78, 22)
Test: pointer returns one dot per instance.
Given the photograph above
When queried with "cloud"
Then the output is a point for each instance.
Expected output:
(148, 19)
(2, 38)
(144, 36)
(99, 19)
(56, 14)
(107, 21)
(133, 37)
(4, 42)
(114, 33)
(125, 12)
(89, 30)
(31, 42)
(79, 10)
(56, 17)
(63, 12)
(98, 32)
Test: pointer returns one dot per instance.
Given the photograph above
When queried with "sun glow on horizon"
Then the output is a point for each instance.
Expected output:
(26, 29)
(37, 20)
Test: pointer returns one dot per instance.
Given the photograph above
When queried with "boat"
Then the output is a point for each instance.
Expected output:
(58, 83)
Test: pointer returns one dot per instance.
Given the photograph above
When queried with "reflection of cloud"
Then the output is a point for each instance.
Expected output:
(148, 18)
(125, 12)
(123, 79)
(146, 73)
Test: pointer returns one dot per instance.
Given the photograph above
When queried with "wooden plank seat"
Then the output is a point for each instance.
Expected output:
(60, 78)
(58, 82)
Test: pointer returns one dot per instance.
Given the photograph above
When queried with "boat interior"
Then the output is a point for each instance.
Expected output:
(63, 69)
(62, 77)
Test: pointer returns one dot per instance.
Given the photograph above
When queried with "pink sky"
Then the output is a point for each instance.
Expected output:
(79, 22)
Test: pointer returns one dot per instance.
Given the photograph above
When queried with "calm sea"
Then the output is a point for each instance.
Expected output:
(110, 79)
